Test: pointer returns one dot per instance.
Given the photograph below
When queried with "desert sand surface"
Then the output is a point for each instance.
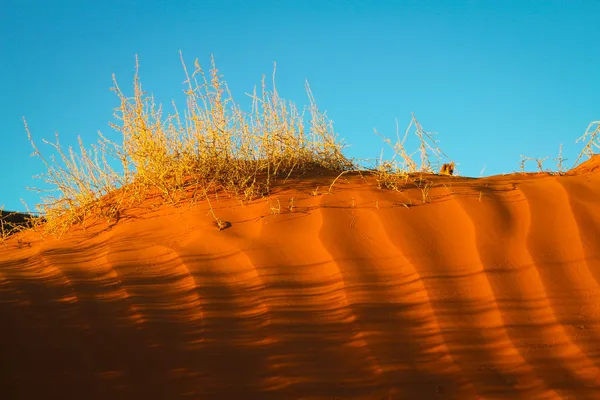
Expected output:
(490, 289)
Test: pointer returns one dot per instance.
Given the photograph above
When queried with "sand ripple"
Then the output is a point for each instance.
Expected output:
(491, 290)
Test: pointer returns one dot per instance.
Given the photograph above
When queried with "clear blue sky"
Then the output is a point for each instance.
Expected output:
(496, 79)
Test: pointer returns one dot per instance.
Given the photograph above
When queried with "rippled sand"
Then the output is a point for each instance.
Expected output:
(491, 290)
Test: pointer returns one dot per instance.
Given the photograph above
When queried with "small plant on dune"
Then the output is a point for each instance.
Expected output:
(539, 162)
(14, 222)
(560, 160)
(524, 159)
(396, 172)
(405, 205)
(212, 146)
(4, 229)
(330, 190)
(425, 193)
(592, 135)
(275, 209)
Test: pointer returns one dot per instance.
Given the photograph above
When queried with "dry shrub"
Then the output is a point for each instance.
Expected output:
(14, 222)
(592, 135)
(213, 145)
(396, 172)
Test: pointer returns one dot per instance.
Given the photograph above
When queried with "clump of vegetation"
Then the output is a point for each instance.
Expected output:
(213, 145)
(592, 140)
(539, 162)
(592, 135)
(13, 222)
(401, 168)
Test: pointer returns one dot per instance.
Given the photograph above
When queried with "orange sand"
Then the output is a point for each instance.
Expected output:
(492, 291)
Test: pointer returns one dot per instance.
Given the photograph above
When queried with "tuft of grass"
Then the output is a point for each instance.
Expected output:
(4, 227)
(559, 161)
(396, 172)
(592, 140)
(538, 161)
(211, 146)
(425, 193)
(592, 135)
(14, 222)
(275, 209)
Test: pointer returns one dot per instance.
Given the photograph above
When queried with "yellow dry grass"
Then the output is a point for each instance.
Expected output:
(214, 146)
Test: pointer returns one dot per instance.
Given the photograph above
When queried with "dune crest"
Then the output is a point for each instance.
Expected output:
(486, 288)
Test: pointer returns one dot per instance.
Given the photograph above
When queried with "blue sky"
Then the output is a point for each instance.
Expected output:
(495, 79)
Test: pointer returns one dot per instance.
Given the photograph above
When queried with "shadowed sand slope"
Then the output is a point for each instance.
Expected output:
(488, 290)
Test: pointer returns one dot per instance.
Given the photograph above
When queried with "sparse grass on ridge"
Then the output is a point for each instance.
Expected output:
(592, 135)
(14, 222)
(213, 146)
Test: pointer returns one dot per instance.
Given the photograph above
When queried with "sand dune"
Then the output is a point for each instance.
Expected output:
(489, 290)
